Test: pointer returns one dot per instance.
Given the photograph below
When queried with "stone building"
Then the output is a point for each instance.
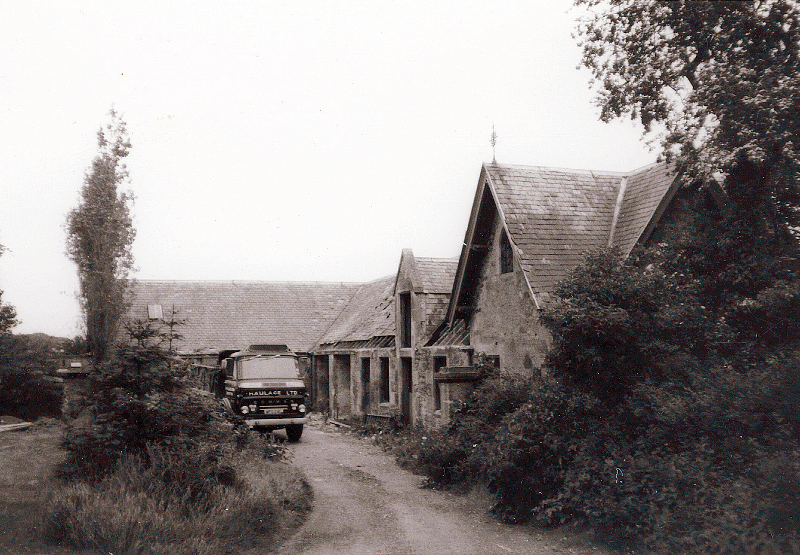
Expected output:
(370, 356)
(528, 228)
(220, 315)
(405, 345)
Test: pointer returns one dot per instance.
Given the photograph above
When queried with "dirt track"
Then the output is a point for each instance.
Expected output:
(365, 504)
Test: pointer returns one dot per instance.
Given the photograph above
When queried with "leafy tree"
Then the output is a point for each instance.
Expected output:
(721, 76)
(99, 238)
(24, 390)
(721, 81)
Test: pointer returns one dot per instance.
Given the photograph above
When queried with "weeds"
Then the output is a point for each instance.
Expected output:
(153, 466)
(213, 501)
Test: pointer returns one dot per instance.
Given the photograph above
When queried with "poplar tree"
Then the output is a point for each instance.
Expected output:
(100, 235)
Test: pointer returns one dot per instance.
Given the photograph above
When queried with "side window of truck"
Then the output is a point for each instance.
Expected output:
(229, 367)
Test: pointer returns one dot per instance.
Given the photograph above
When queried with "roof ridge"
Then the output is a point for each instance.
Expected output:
(252, 281)
(579, 170)
(438, 259)
(555, 168)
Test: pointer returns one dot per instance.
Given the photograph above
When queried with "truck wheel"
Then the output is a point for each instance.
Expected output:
(293, 432)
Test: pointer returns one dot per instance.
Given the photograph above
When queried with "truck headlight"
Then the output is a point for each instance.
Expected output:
(244, 409)
(302, 408)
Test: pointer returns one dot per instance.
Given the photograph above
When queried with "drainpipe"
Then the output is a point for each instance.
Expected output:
(620, 197)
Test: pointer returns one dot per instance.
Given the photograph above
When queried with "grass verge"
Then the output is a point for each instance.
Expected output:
(177, 504)
(132, 512)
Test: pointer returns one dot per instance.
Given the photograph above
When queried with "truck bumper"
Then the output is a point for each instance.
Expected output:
(275, 422)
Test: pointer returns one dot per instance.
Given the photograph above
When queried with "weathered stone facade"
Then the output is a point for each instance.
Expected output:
(505, 322)
(404, 346)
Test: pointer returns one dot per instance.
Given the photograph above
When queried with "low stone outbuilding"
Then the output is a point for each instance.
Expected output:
(369, 357)
(220, 315)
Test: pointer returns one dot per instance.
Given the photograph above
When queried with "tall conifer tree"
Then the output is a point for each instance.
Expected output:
(100, 235)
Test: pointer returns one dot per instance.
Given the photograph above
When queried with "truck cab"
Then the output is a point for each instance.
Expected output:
(263, 385)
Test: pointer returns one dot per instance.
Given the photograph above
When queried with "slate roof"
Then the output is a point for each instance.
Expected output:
(645, 191)
(370, 313)
(437, 274)
(235, 314)
(554, 216)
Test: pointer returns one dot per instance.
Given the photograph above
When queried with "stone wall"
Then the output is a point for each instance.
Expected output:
(506, 322)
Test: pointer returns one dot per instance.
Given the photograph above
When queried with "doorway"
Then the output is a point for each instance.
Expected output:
(405, 390)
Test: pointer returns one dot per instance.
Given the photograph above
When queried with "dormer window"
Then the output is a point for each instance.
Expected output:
(506, 254)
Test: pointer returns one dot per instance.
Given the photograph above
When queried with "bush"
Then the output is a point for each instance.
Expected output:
(462, 454)
(26, 391)
(178, 503)
(140, 398)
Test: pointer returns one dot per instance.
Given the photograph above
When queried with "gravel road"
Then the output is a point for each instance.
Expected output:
(365, 504)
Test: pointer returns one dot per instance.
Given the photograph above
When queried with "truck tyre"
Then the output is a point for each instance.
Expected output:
(293, 432)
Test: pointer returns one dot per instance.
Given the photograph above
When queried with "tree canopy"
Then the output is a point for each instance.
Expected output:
(100, 235)
(720, 81)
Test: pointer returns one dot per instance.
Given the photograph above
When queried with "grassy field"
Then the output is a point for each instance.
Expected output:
(27, 491)
(28, 459)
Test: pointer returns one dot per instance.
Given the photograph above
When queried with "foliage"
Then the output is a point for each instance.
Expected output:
(722, 78)
(461, 454)
(139, 398)
(8, 314)
(653, 430)
(619, 326)
(205, 501)
(99, 238)
(27, 391)
(173, 323)
(75, 346)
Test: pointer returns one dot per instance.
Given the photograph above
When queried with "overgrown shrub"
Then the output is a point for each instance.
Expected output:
(140, 398)
(179, 503)
(665, 424)
(26, 389)
(462, 453)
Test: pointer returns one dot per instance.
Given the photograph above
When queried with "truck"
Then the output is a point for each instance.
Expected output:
(263, 385)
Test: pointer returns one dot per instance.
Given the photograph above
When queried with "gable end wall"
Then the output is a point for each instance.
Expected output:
(505, 321)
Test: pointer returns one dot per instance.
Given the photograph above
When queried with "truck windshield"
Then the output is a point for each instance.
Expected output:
(267, 367)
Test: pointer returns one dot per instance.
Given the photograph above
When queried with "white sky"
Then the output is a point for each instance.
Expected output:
(306, 141)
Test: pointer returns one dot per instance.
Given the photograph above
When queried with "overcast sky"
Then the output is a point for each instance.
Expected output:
(303, 141)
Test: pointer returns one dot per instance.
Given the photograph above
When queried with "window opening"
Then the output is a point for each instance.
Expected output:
(384, 379)
(365, 383)
(506, 254)
(405, 319)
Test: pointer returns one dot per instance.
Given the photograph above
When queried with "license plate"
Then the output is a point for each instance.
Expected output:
(273, 411)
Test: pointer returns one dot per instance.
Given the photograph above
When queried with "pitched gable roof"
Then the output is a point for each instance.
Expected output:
(554, 216)
(235, 314)
(425, 275)
(370, 313)
(437, 274)
(647, 193)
